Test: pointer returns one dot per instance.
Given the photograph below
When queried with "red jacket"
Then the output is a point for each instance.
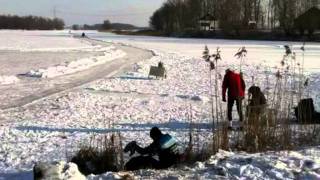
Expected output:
(235, 85)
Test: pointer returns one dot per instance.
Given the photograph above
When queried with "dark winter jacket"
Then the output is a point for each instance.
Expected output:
(235, 85)
(257, 102)
(167, 148)
(257, 97)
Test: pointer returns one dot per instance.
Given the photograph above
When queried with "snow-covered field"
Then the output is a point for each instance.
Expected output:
(52, 128)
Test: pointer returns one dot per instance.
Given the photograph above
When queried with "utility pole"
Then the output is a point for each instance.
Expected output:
(55, 11)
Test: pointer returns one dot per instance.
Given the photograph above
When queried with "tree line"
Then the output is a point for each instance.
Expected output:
(106, 25)
(232, 15)
(30, 23)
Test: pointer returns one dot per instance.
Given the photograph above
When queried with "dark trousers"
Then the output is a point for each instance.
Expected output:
(239, 107)
(148, 162)
(142, 162)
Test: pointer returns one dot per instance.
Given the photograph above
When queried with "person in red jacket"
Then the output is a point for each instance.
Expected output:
(234, 83)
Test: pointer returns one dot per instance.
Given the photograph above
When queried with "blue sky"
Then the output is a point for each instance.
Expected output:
(135, 12)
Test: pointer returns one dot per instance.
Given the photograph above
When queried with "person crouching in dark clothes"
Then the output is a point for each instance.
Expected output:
(235, 85)
(163, 145)
(257, 104)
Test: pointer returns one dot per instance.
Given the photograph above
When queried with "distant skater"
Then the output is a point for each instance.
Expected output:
(234, 83)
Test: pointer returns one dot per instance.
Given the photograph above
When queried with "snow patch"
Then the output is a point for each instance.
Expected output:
(8, 80)
(59, 170)
(109, 54)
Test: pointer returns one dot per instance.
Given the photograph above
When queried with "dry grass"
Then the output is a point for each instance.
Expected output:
(265, 134)
(106, 155)
(272, 128)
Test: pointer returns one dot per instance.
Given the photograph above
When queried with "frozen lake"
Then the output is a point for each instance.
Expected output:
(261, 55)
(259, 52)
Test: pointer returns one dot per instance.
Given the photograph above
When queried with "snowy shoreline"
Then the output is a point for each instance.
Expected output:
(303, 164)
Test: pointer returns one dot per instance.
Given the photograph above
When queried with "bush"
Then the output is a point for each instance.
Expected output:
(100, 159)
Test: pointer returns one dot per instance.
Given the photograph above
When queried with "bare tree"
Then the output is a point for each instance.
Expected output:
(234, 16)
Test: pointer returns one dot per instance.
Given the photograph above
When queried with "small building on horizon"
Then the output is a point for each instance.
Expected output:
(308, 21)
(252, 24)
(208, 23)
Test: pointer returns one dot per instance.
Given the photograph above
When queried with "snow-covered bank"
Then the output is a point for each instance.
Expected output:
(109, 53)
(304, 164)
(8, 80)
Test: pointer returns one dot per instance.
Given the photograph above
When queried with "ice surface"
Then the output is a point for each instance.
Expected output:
(27, 50)
(13, 63)
(259, 52)
(109, 54)
(39, 40)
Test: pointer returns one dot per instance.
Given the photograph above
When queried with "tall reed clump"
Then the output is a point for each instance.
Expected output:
(103, 152)
(219, 135)
(241, 54)
(207, 57)
(196, 149)
(271, 126)
(276, 128)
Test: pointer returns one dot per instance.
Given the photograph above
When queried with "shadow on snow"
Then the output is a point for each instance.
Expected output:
(125, 127)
